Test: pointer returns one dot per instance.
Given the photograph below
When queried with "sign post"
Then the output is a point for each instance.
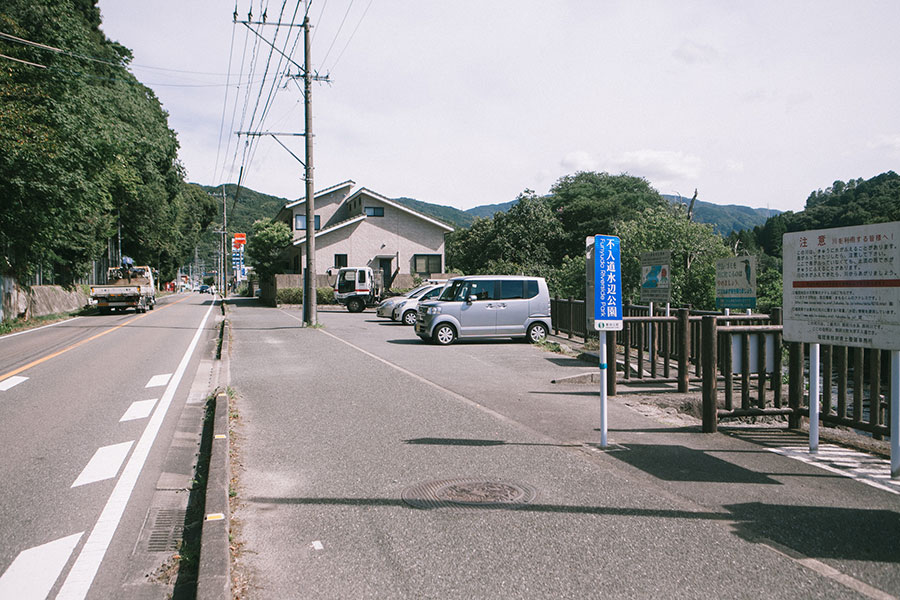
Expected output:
(842, 287)
(604, 304)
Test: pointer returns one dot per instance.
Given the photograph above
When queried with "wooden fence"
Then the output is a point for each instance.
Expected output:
(691, 346)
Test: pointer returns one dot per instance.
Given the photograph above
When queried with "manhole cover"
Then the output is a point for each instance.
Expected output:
(468, 493)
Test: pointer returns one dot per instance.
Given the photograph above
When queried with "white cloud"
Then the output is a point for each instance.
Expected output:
(692, 53)
(889, 142)
(579, 161)
(661, 167)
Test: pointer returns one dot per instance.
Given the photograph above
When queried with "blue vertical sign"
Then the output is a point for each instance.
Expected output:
(607, 283)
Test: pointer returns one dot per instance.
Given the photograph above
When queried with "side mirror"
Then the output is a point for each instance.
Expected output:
(471, 299)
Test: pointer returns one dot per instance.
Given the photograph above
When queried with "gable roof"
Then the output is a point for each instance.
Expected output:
(331, 229)
(346, 184)
(399, 207)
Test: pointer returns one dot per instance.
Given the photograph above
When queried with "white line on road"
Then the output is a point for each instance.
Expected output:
(34, 571)
(104, 464)
(158, 380)
(9, 335)
(10, 382)
(78, 581)
(139, 409)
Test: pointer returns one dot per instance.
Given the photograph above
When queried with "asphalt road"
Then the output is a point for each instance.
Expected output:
(344, 428)
(89, 415)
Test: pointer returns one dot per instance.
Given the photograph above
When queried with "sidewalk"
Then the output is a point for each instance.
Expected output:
(367, 470)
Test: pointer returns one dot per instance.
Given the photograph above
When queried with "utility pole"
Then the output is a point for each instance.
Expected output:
(309, 275)
(224, 245)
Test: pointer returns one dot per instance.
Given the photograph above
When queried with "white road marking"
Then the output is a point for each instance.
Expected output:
(317, 545)
(104, 464)
(139, 409)
(34, 571)
(862, 467)
(78, 581)
(158, 380)
(10, 382)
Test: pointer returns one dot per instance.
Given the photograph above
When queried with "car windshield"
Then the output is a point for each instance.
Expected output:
(419, 291)
(453, 291)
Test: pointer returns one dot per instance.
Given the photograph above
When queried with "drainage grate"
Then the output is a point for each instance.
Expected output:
(167, 530)
(469, 493)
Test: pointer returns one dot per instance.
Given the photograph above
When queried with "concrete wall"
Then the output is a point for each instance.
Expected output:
(41, 300)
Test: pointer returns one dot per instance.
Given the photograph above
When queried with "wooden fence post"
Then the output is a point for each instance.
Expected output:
(709, 357)
(796, 383)
(684, 330)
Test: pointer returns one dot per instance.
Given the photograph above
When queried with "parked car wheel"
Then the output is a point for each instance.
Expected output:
(409, 318)
(537, 332)
(444, 334)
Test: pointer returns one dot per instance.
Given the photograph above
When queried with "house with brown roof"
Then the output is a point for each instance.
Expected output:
(358, 227)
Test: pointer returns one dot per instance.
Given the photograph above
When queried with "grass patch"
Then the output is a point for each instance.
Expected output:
(16, 325)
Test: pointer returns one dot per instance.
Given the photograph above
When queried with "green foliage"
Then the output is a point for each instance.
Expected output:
(265, 248)
(83, 146)
(515, 242)
(294, 295)
(695, 250)
(587, 204)
(291, 295)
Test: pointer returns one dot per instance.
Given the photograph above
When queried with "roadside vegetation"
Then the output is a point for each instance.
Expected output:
(545, 235)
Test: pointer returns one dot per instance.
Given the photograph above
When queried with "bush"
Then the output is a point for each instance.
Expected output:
(289, 295)
(294, 295)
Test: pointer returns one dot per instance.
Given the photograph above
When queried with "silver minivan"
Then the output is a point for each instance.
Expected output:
(479, 306)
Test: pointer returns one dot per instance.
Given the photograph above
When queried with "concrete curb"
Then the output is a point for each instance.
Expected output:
(214, 574)
(214, 580)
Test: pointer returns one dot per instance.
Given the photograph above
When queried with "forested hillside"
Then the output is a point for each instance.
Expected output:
(85, 151)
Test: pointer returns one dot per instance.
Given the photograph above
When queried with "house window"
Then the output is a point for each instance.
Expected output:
(426, 264)
(340, 261)
(300, 222)
(374, 211)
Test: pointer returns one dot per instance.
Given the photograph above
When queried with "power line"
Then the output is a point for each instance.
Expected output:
(344, 20)
(338, 59)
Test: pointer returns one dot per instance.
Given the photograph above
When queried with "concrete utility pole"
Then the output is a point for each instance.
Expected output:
(309, 273)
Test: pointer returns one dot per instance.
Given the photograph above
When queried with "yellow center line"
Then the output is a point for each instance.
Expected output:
(44, 359)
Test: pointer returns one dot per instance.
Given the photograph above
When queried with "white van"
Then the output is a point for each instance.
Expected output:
(479, 306)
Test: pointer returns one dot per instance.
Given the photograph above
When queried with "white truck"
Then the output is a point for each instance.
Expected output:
(358, 287)
(127, 287)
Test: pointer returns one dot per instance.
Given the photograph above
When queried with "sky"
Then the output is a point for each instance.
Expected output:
(473, 102)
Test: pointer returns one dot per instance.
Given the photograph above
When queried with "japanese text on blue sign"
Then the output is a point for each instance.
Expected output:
(607, 283)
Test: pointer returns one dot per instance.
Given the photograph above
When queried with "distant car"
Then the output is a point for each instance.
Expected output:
(386, 308)
(204, 289)
(405, 311)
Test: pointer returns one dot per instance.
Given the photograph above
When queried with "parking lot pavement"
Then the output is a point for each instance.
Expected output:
(374, 465)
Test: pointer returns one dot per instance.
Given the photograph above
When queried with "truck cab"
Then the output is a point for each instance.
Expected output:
(358, 287)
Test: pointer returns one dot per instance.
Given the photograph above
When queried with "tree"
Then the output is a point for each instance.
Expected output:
(587, 204)
(265, 248)
(83, 147)
(695, 249)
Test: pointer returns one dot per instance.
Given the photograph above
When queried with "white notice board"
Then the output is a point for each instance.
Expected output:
(842, 286)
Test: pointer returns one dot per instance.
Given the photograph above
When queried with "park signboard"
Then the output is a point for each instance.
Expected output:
(656, 276)
(604, 282)
(736, 283)
(842, 286)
